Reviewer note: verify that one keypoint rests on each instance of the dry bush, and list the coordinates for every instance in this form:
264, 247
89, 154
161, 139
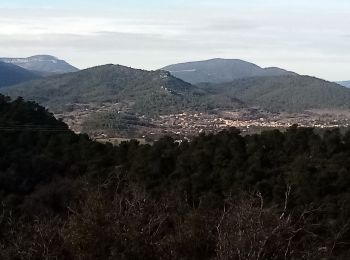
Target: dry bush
248, 230
132, 225
129, 226
112, 224
193, 237
38, 239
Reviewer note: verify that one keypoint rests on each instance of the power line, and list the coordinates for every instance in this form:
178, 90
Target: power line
32, 127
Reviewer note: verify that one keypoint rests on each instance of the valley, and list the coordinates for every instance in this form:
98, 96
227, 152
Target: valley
115, 101
86, 118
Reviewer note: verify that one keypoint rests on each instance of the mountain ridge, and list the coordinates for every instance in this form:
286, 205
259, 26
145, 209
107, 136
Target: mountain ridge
159, 92
344, 83
144, 91
11, 74
219, 70
289, 93
43, 65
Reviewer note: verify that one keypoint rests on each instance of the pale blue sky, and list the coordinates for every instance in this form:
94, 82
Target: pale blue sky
310, 37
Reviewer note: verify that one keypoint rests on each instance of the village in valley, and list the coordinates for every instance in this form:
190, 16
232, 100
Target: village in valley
188, 124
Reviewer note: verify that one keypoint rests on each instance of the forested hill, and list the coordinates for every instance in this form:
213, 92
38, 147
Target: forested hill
286, 93
144, 91
223, 196
21, 113
11, 74
158, 92
37, 150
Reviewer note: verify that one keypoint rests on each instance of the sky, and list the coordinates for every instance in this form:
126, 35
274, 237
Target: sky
309, 37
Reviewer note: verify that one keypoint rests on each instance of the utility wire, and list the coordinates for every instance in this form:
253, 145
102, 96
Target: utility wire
32, 127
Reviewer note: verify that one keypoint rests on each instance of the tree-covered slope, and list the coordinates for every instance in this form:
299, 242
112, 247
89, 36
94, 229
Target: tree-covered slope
286, 93
11, 74
158, 92
220, 71
144, 91
36, 149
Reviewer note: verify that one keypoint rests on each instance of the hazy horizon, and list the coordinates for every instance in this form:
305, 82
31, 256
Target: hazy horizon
306, 37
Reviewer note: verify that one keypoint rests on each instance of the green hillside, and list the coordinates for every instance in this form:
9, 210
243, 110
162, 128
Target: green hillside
285, 93
158, 92
143, 91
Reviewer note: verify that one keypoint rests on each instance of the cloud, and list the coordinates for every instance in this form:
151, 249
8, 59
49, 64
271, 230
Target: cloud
294, 38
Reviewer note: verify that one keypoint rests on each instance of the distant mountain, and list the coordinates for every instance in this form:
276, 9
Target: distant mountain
158, 92
221, 71
11, 74
344, 83
43, 65
143, 91
285, 93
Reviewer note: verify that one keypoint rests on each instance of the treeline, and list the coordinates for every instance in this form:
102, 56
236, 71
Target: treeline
274, 195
